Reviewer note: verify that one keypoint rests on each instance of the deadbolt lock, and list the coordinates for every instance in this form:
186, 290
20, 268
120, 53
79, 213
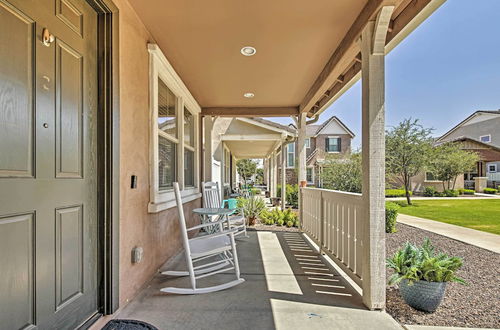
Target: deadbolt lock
47, 37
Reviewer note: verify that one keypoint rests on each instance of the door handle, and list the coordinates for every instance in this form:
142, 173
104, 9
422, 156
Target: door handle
47, 37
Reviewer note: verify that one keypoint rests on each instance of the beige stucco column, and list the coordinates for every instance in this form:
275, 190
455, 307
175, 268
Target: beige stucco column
301, 149
207, 154
275, 173
283, 175
373, 154
480, 183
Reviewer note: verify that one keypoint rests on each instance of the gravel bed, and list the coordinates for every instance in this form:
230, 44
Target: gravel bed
476, 305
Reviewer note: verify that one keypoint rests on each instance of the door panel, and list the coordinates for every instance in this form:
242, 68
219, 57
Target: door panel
16, 286
69, 255
69, 74
48, 170
16, 93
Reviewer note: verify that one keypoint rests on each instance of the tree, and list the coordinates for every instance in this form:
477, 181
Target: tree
407, 149
342, 173
259, 178
448, 161
246, 168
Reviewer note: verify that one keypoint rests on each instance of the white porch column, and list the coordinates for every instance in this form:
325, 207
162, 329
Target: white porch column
373, 154
283, 175
301, 149
274, 172
207, 154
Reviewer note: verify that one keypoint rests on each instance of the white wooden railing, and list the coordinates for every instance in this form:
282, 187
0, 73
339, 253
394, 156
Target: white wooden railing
336, 221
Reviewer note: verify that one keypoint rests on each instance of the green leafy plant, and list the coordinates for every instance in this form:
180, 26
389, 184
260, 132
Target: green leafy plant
391, 214
423, 263
468, 192
491, 191
251, 208
292, 194
289, 223
396, 193
430, 191
451, 193
277, 215
280, 222
342, 172
255, 191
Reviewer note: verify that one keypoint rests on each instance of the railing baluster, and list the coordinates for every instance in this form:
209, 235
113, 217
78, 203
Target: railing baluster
335, 221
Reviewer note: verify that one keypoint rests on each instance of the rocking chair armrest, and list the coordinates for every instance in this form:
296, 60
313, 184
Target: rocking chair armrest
206, 224
229, 232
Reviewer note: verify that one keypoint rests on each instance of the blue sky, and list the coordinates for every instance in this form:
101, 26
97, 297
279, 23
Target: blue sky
442, 72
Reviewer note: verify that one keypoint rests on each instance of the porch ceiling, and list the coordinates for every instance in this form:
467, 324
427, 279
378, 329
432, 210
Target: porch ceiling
251, 149
302, 47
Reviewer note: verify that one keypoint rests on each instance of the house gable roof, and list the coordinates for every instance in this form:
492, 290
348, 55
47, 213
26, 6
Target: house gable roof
268, 124
323, 126
467, 120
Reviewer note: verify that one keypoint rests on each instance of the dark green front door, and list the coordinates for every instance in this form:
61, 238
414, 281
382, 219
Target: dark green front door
48, 172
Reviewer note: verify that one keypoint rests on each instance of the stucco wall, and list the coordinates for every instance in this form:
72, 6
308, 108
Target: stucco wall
418, 183
156, 233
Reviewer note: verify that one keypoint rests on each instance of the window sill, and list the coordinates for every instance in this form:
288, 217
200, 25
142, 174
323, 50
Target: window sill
158, 207
333, 152
433, 181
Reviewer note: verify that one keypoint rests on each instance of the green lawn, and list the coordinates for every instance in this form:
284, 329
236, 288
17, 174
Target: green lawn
480, 214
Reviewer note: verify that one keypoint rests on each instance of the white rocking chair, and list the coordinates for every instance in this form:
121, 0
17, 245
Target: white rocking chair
212, 199
201, 251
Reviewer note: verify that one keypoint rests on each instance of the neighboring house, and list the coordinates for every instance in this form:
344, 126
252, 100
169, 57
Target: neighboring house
480, 133
331, 137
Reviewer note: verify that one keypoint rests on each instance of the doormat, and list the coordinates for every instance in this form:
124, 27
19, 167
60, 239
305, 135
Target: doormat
128, 325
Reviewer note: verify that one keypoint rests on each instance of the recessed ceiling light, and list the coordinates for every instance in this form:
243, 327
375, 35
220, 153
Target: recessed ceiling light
249, 95
248, 51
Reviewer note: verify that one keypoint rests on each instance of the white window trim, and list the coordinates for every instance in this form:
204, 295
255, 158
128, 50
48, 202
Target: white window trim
496, 169
159, 67
334, 137
425, 178
312, 176
308, 145
482, 136
288, 152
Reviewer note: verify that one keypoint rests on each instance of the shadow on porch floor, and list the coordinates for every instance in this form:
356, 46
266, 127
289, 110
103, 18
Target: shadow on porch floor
288, 286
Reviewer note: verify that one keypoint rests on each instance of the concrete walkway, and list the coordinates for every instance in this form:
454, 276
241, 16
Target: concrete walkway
287, 286
478, 238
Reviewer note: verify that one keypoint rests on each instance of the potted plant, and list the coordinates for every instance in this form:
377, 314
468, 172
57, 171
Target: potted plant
251, 208
422, 274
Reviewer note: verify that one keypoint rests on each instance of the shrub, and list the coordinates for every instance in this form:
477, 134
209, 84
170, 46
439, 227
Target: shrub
422, 263
430, 192
277, 215
255, 191
468, 192
292, 194
491, 191
391, 214
396, 193
451, 193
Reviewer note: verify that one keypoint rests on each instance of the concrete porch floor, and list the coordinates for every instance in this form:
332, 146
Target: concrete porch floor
288, 286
